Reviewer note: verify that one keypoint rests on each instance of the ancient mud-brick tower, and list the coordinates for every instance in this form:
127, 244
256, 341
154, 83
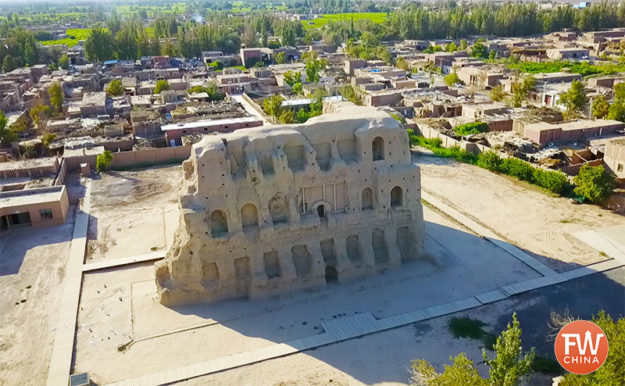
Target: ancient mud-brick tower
276, 208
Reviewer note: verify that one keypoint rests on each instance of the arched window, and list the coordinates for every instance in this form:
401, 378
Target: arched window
377, 148
219, 223
396, 197
367, 199
249, 216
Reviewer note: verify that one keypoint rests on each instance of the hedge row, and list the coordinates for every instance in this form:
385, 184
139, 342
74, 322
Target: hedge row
553, 181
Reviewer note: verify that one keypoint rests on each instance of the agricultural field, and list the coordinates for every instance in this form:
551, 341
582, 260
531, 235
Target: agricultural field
240, 7
376, 17
582, 68
151, 10
74, 35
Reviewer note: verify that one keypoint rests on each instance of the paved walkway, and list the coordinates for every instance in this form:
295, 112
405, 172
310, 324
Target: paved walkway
63, 346
362, 324
96, 265
487, 234
610, 241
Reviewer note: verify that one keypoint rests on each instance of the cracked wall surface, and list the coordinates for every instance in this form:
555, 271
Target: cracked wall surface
278, 208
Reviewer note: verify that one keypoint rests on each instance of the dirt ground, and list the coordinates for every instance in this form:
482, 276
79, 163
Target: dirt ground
32, 268
119, 305
133, 212
518, 212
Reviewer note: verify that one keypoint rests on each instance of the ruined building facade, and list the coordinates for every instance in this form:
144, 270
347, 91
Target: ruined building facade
277, 208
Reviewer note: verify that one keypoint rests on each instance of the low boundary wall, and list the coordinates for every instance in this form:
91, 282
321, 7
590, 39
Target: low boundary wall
131, 158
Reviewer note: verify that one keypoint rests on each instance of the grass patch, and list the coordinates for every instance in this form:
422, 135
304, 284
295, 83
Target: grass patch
546, 365
376, 17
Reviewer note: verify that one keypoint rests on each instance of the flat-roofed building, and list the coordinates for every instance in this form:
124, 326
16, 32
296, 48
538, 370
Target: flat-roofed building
570, 131
175, 132
614, 156
33, 207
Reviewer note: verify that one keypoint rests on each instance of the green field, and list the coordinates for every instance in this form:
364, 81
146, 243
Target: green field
582, 68
74, 35
376, 17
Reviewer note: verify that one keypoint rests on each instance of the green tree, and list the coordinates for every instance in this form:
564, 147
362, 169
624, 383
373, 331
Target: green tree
279, 58
316, 104
595, 183
287, 116
115, 88
402, 64
600, 107
7, 135
297, 88
47, 139
510, 364
302, 116
492, 55
210, 88
463, 45
104, 161
161, 85
64, 62
99, 45
479, 50
452, 79
9, 64
127, 43
349, 93
39, 114
617, 109
56, 96
574, 99
461, 372
292, 77
497, 94
313, 66
273, 105
384, 54
507, 368
451, 47
521, 88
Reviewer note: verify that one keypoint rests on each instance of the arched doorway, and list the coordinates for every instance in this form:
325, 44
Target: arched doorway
321, 211
396, 197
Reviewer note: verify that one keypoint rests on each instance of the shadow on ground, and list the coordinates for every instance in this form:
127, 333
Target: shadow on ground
404, 290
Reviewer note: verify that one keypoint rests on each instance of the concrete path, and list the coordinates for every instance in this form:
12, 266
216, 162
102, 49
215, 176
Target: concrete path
63, 346
610, 241
96, 265
487, 234
358, 325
